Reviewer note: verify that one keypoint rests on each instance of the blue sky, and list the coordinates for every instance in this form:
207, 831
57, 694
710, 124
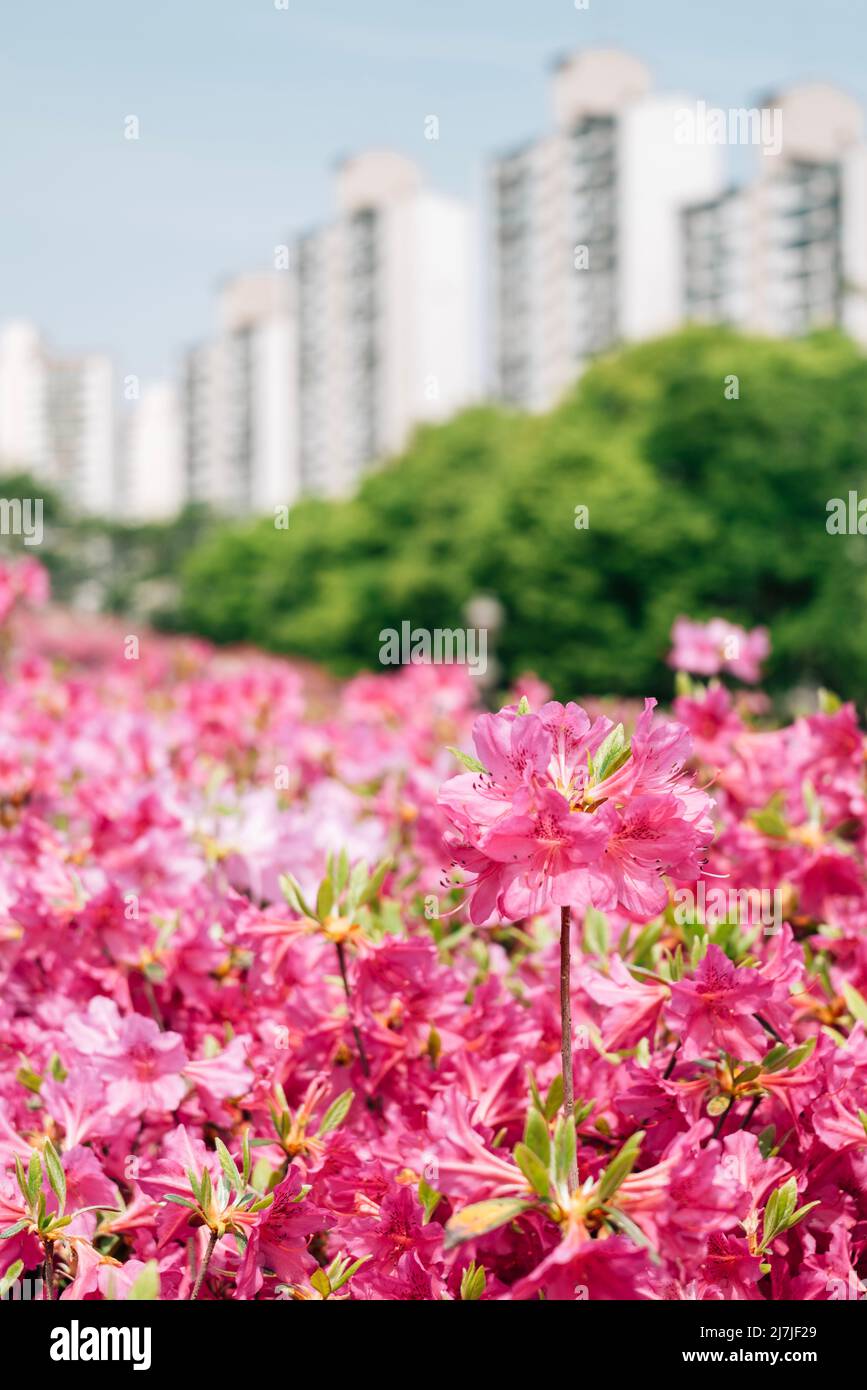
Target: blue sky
243, 109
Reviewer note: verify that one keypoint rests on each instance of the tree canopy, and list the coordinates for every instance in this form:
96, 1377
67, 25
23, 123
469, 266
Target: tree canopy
704, 497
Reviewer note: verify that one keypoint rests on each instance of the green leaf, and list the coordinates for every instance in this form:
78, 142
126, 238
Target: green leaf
534, 1170
180, 1201
429, 1198
321, 1283
718, 1105
779, 1209
473, 1281
341, 872
646, 939
261, 1175
676, 970
855, 1002
801, 1213
13, 1230
481, 1218
582, 1111
811, 802
56, 1175
357, 883
554, 1098
596, 936
767, 1141
620, 1167
324, 899
196, 1184
29, 1078
147, 1285
206, 1189
625, 1224
263, 1203
375, 882
229, 1167
611, 754
536, 1136
470, 763
34, 1178
800, 1054
337, 1281
336, 1112
524, 706
534, 1091
749, 1073
565, 1149
775, 1059
13, 1272
291, 891
22, 1180
771, 820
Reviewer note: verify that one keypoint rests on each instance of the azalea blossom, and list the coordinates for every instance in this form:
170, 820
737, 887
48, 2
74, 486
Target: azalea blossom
706, 649
247, 1065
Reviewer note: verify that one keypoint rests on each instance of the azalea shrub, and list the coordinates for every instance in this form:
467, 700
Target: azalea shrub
286, 973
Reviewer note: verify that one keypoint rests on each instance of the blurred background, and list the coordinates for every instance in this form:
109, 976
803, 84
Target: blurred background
315, 320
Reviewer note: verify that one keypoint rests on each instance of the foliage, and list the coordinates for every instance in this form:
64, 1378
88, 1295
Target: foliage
697, 504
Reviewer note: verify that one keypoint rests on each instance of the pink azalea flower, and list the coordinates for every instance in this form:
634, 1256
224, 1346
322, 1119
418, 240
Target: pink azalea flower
538, 828
279, 1238
141, 1064
717, 1009
145, 1073
223, 1075
153, 973
708, 648
581, 1269
632, 1006
729, 1270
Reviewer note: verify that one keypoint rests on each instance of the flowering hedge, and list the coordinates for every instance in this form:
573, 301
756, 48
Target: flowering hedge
280, 982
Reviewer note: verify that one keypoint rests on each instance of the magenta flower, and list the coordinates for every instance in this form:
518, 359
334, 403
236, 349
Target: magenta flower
242, 1095
565, 812
631, 1006
706, 649
544, 849
278, 1239
718, 1007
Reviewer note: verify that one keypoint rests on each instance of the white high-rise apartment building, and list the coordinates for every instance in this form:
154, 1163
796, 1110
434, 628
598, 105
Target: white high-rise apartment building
82, 430
203, 475
24, 437
386, 328
787, 252
585, 227
256, 371
322, 371
57, 419
152, 482
239, 400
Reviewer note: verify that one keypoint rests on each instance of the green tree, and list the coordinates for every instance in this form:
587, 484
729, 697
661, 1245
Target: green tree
698, 504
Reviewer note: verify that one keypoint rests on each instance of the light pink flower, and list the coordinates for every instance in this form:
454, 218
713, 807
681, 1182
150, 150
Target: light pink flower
705, 649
